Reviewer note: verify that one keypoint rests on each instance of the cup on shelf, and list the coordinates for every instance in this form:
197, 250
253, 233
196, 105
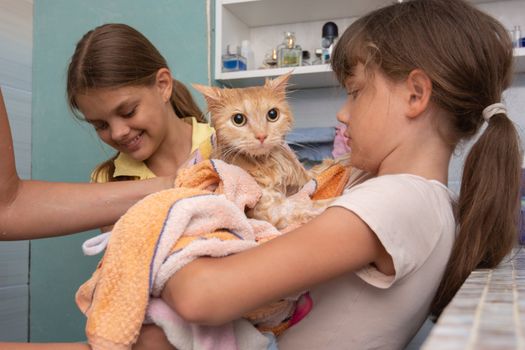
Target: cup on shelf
270, 59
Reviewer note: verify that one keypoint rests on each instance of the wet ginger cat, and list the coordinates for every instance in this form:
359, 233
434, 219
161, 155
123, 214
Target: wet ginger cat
251, 125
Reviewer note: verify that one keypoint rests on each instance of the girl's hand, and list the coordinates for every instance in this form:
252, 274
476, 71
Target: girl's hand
152, 337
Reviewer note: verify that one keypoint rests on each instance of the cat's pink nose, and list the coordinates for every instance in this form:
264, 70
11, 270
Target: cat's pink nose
261, 138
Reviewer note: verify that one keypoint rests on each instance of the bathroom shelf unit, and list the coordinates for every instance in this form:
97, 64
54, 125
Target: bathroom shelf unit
263, 22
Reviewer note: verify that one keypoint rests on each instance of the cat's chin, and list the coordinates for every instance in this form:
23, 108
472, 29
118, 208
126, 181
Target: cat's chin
259, 152
256, 154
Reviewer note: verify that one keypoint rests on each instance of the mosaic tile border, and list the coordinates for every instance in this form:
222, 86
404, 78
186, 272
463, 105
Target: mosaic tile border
488, 312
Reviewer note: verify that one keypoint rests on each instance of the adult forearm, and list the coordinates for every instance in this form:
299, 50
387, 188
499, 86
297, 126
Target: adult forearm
38, 209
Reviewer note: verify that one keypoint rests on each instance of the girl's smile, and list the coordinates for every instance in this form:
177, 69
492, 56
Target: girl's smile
132, 145
123, 118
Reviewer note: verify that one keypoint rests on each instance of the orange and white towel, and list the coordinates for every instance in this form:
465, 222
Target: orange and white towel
202, 216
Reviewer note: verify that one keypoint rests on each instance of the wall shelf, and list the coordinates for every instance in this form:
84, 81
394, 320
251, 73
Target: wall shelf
263, 21
312, 76
304, 77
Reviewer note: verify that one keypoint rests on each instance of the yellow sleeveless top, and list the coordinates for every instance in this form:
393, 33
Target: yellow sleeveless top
201, 147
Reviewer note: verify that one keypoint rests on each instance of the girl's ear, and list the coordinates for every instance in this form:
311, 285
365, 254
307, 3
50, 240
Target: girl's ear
419, 87
164, 82
278, 84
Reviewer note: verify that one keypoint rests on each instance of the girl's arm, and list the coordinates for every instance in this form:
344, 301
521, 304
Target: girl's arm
213, 291
36, 209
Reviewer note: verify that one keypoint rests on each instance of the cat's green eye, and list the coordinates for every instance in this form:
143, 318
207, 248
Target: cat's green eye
273, 115
239, 119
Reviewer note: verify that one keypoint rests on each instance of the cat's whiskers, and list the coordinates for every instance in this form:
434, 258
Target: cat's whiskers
239, 150
229, 153
236, 154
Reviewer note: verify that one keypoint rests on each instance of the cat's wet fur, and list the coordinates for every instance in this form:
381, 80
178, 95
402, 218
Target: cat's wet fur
251, 124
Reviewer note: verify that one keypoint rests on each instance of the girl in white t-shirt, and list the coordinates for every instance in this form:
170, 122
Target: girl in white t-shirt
419, 81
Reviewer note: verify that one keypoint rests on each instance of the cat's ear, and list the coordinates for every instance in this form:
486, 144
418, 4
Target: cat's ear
211, 94
280, 83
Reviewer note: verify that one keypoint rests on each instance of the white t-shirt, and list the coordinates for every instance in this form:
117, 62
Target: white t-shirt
413, 218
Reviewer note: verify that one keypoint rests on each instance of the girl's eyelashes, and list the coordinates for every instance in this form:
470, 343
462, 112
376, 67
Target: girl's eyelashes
99, 126
352, 89
131, 113
353, 93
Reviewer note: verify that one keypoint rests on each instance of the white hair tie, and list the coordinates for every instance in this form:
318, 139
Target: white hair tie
493, 109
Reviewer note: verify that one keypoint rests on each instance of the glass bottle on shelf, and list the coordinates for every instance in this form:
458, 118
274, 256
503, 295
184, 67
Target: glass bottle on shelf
289, 53
270, 59
232, 62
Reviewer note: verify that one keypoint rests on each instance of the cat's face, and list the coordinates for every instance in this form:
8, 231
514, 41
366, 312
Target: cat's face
253, 120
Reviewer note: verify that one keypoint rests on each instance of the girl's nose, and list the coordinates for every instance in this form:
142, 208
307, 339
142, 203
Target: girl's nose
119, 131
343, 114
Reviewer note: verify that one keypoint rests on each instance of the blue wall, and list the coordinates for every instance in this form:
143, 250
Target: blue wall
66, 150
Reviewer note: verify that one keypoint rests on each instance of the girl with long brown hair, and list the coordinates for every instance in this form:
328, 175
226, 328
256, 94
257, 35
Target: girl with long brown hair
120, 83
421, 76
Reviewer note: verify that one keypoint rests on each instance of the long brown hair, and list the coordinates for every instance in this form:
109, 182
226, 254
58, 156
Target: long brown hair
115, 55
468, 57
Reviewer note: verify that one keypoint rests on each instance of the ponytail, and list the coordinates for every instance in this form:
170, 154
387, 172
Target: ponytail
465, 78
183, 102
487, 209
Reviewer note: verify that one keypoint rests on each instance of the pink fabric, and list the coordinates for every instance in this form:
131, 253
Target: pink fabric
215, 337
340, 141
190, 336
302, 308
